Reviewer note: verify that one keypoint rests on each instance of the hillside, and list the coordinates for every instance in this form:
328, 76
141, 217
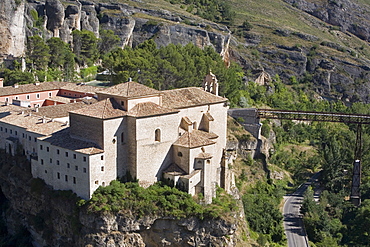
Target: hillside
319, 45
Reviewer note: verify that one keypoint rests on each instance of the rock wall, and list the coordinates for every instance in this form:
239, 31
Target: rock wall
12, 28
53, 219
60, 19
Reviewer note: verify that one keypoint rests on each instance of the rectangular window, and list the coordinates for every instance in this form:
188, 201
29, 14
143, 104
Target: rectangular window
102, 168
42, 161
58, 162
66, 178
84, 170
50, 95
57, 151
40, 147
74, 180
96, 182
51, 160
16, 97
68, 165
74, 156
16, 133
1, 128
23, 135
29, 138
58, 175
35, 139
102, 157
37, 95
6, 99
66, 154
27, 96
47, 149
11, 131
85, 159
76, 168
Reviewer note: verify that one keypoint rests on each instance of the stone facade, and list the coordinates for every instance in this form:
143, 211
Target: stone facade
132, 130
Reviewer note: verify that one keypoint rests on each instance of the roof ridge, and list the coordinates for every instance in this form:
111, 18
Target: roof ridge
105, 107
128, 87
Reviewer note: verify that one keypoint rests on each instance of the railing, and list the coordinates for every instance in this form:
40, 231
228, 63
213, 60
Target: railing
314, 116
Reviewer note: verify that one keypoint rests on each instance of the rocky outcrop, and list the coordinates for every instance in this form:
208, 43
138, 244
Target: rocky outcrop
12, 29
346, 14
60, 20
53, 219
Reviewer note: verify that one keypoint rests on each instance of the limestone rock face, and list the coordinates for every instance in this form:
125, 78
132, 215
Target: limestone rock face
54, 11
12, 29
346, 14
53, 219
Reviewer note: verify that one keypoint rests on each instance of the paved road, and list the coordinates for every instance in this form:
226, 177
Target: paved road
293, 223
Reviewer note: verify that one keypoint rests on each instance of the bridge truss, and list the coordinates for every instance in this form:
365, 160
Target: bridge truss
358, 119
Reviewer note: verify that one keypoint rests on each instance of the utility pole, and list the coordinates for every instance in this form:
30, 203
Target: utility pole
356, 175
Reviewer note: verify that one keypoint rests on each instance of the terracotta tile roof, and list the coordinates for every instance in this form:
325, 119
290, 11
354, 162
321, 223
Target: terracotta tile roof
56, 111
105, 109
32, 123
130, 90
60, 99
193, 139
209, 116
11, 108
186, 120
80, 88
147, 109
186, 97
189, 176
204, 156
175, 170
64, 140
205, 134
29, 88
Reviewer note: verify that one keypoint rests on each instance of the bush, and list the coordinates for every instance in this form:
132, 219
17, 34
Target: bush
156, 200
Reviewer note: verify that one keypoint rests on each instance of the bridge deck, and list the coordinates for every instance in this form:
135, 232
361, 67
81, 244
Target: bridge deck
314, 116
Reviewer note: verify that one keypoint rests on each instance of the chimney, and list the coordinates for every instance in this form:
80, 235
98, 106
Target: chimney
1, 82
36, 109
15, 85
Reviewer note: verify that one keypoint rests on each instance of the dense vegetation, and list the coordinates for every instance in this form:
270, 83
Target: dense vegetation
157, 200
213, 10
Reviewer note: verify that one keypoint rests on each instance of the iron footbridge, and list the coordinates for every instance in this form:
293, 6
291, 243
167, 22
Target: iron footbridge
313, 116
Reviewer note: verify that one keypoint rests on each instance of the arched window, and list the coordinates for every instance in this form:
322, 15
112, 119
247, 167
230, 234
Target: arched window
157, 135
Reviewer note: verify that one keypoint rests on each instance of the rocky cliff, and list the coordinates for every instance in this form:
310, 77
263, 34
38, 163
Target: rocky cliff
334, 62
132, 24
52, 218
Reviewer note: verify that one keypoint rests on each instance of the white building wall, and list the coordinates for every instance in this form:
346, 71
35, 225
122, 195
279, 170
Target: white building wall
98, 176
112, 130
154, 156
28, 140
65, 169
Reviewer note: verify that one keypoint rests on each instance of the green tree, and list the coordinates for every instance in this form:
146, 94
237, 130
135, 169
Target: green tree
85, 47
108, 41
37, 52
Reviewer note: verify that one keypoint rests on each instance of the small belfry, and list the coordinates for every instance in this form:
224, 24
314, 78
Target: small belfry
210, 83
